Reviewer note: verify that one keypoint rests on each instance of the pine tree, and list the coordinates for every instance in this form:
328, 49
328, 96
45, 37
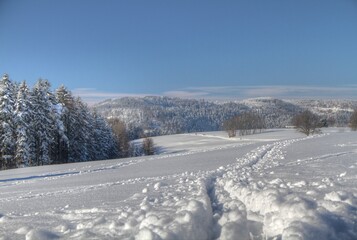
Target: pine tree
7, 127
60, 140
66, 103
100, 138
104, 144
85, 128
23, 119
44, 123
78, 132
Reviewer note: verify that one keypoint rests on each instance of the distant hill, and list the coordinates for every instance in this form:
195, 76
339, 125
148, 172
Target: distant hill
163, 115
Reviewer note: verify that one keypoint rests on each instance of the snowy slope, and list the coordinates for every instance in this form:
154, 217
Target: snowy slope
278, 184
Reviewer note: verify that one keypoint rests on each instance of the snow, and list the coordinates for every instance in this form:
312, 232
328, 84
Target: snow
275, 185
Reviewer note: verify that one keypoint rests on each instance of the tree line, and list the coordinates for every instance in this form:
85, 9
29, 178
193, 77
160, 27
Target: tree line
305, 122
40, 127
309, 123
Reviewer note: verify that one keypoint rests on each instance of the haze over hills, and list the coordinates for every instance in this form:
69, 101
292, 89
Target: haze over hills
163, 115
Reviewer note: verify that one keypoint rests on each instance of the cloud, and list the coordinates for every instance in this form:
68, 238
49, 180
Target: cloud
92, 96
280, 91
185, 94
304, 92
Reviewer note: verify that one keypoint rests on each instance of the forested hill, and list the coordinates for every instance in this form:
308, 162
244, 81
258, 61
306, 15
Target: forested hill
164, 115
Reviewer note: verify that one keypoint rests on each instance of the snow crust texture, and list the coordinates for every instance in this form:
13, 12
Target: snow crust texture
280, 185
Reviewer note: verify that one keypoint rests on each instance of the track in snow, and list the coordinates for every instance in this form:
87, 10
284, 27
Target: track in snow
246, 199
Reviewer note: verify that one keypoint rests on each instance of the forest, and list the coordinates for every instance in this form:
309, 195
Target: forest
40, 127
158, 115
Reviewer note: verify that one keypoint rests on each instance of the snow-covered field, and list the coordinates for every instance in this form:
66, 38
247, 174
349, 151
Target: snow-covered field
274, 185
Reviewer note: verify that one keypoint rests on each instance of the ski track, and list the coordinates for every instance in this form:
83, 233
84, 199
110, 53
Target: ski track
228, 203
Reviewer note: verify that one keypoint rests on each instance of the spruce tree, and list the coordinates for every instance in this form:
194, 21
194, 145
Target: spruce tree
66, 103
43, 122
7, 127
23, 119
85, 127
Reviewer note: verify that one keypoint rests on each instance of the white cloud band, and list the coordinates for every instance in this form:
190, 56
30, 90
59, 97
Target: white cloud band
92, 96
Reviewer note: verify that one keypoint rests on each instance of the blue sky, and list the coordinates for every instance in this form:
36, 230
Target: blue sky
203, 49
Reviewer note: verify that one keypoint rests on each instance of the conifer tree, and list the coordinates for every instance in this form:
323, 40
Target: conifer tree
66, 101
7, 127
23, 119
85, 128
43, 124
99, 139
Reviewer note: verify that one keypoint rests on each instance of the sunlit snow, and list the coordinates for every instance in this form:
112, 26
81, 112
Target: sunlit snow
275, 185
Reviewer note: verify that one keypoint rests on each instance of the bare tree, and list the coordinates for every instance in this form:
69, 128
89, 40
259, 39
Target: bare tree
230, 126
121, 135
307, 122
148, 146
353, 121
250, 123
246, 123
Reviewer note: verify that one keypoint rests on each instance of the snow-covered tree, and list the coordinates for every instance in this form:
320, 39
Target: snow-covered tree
104, 138
79, 130
7, 126
23, 119
89, 135
67, 117
43, 122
